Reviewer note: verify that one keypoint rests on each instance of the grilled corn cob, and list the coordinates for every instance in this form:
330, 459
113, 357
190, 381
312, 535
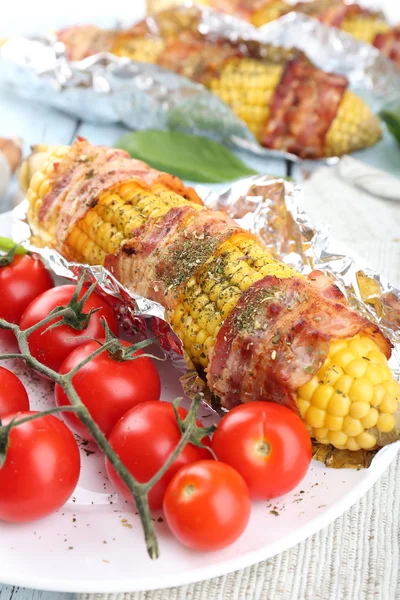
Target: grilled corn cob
247, 85
364, 28
350, 403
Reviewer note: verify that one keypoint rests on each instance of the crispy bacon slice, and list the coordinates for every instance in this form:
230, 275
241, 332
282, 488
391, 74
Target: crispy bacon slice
84, 173
303, 107
277, 338
197, 58
389, 44
159, 260
85, 40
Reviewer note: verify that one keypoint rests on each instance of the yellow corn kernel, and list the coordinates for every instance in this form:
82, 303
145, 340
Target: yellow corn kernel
321, 396
356, 368
303, 407
343, 358
321, 433
358, 410
388, 404
385, 422
333, 423
306, 391
370, 419
352, 426
352, 444
361, 390
315, 417
350, 395
337, 438
329, 374
339, 405
344, 383
366, 440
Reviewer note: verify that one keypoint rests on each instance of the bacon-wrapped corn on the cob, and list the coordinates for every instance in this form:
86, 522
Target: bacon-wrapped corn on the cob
363, 24
253, 326
286, 102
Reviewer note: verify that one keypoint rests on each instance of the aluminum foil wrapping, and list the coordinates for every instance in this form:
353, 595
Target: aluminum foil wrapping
107, 89
273, 210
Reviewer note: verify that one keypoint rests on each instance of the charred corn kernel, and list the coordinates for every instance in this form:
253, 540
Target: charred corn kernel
366, 440
351, 397
354, 127
370, 419
385, 422
364, 28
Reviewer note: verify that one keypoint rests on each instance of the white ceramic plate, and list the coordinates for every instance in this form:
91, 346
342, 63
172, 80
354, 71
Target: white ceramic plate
86, 546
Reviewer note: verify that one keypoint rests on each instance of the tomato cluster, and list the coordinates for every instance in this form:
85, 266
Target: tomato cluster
263, 450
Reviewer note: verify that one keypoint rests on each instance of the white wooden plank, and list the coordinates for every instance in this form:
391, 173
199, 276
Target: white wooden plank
33, 122
8, 592
106, 135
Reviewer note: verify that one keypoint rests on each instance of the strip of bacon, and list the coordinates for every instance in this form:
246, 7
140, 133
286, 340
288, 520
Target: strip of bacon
389, 44
85, 40
197, 58
162, 256
303, 107
277, 338
84, 173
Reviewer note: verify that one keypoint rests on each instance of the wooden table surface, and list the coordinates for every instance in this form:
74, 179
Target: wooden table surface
368, 225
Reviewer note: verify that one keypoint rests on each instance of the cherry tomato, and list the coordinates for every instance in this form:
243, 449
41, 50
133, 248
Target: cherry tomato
41, 469
267, 443
13, 396
207, 505
53, 347
107, 387
20, 282
144, 438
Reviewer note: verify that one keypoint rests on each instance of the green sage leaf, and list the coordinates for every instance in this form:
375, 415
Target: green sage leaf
190, 157
391, 116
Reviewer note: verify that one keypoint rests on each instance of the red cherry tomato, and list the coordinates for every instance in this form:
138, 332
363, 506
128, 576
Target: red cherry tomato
20, 282
13, 396
41, 469
143, 439
207, 505
53, 347
107, 387
267, 443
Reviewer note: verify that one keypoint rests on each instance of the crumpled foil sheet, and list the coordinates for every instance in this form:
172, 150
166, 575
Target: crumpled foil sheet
273, 210
107, 89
